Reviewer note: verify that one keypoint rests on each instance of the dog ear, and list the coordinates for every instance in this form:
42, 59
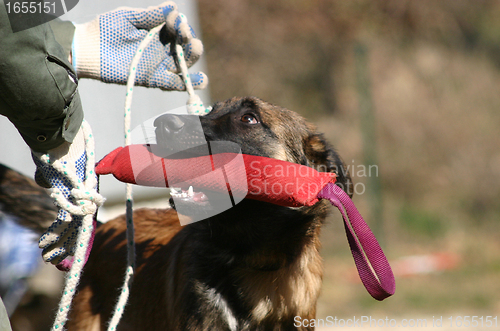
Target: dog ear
321, 156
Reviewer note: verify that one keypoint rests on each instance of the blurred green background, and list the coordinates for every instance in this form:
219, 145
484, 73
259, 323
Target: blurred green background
434, 85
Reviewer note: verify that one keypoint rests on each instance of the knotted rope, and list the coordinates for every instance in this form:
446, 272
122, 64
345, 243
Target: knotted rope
86, 201
194, 103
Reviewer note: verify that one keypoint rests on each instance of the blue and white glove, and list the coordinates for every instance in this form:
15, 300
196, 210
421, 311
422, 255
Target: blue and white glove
103, 48
54, 170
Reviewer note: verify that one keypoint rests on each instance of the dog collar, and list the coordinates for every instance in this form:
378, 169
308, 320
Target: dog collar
258, 179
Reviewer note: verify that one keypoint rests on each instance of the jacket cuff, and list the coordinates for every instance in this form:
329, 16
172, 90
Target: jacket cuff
46, 134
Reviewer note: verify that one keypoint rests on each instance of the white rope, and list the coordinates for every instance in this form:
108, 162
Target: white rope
87, 200
194, 103
129, 273
194, 106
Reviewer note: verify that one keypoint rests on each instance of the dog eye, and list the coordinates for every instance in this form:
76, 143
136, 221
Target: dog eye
249, 118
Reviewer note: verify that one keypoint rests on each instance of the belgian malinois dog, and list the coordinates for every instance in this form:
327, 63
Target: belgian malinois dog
255, 266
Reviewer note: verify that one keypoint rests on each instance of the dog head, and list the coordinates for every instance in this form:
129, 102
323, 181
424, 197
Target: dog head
257, 128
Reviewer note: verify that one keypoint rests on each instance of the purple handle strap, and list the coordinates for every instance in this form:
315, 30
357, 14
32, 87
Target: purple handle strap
373, 268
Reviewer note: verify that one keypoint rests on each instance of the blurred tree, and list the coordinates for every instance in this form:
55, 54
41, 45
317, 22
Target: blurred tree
292, 52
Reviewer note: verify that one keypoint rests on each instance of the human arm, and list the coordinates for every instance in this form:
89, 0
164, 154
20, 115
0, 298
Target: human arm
31, 119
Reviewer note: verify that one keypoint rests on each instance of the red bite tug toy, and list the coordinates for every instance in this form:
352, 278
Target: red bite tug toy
260, 178
247, 176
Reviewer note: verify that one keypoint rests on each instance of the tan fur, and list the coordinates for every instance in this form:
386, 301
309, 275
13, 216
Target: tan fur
292, 291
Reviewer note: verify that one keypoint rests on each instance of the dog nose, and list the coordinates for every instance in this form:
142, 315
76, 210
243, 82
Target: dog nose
169, 122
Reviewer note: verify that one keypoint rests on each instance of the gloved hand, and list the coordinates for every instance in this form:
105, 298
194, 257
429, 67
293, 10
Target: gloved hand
53, 170
103, 48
